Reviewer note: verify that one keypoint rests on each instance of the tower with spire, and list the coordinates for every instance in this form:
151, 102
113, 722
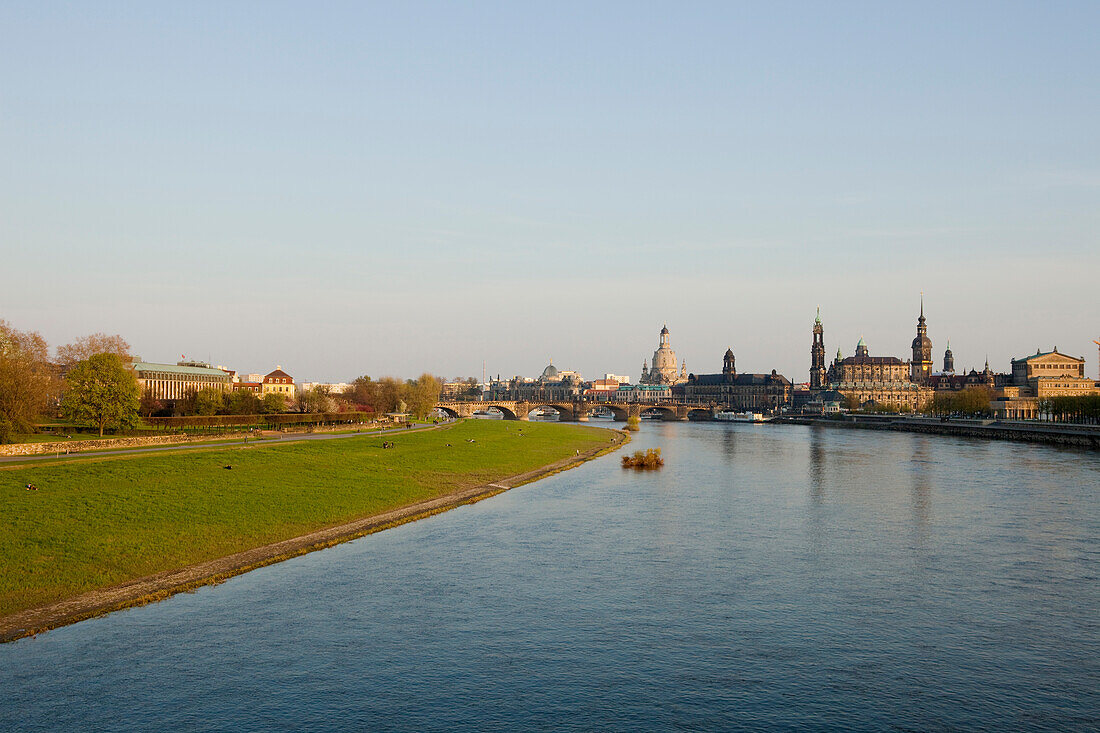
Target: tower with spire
817, 355
920, 368
948, 360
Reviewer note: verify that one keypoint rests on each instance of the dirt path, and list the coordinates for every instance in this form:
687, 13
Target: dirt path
162, 585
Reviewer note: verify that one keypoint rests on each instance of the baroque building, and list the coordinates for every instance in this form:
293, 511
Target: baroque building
664, 365
755, 392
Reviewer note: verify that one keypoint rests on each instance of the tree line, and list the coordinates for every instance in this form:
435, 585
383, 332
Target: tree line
90, 383
1080, 409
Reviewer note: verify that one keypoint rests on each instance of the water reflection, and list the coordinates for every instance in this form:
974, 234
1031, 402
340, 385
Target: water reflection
817, 464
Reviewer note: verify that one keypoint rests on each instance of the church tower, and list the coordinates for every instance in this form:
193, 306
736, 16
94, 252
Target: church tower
728, 368
817, 355
921, 367
948, 360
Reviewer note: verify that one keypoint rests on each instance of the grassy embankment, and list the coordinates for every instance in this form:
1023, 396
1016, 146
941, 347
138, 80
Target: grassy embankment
96, 523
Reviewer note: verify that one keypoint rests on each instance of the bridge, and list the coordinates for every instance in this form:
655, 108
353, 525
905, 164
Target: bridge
579, 410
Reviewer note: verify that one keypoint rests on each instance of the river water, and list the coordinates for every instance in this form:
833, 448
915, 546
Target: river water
769, 577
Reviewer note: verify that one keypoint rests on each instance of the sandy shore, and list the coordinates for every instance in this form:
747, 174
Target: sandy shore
162, 585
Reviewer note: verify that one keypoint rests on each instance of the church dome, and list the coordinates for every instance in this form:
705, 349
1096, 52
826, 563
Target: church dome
550, 372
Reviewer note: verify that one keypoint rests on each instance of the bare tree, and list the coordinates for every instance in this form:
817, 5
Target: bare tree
27, 383
87, 346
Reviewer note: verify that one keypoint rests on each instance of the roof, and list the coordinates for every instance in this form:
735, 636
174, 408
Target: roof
892, 360
150, 366
277, 374
739, 379
1038, 354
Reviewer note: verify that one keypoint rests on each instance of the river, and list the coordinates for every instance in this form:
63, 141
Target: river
768, 577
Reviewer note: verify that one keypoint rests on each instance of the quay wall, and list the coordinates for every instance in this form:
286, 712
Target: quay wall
1080, 436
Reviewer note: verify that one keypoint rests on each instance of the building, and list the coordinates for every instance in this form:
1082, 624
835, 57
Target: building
664, 369
278, 382
642, 393
920, 368
817, 355
602, 390
755, 392
880, 380
552, 385
1042, 376
178, 381
329, 387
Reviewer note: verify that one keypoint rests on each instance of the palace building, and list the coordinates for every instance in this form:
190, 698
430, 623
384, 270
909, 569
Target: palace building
750, 392
867, 379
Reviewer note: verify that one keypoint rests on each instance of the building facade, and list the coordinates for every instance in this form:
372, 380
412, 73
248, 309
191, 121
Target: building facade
1042, 376
754, 392
278, 382
178, 381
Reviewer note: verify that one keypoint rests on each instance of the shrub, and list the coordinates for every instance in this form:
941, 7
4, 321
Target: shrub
647, 460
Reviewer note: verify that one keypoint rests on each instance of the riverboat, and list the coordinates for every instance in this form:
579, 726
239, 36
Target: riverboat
753, 417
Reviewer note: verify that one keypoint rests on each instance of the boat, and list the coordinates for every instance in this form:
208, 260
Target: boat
729, 416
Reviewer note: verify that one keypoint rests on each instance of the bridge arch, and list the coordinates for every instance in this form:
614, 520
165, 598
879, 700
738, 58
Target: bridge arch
619, 412
448, 412
700, 413
509, 414
564, 412
666, 413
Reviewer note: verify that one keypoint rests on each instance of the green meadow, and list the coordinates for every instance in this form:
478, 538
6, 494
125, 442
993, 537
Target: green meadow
95, 523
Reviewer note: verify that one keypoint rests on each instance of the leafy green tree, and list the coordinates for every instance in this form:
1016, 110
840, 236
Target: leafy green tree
27, 385
243, 402
272, 404
102, 392
208, 401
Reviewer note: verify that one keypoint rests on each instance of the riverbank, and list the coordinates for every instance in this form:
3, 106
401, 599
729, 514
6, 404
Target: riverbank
104, 526
1049, 434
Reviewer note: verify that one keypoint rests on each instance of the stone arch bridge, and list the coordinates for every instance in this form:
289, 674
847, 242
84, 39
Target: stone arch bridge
578, 410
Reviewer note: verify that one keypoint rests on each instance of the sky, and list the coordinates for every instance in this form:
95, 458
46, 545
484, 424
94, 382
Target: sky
388, 189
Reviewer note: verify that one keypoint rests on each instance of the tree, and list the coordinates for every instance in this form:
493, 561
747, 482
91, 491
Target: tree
421, 394
363, 394
317, 399
103, 392
272, 403
27, 384
207, 401
243, 402
87, 346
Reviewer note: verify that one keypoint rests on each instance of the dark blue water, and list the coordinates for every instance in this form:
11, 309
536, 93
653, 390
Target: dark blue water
767, 578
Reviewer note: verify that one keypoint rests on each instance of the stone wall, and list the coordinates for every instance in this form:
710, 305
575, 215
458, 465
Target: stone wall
76, 446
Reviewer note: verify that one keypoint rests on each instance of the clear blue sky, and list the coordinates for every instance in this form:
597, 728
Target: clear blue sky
343, 188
